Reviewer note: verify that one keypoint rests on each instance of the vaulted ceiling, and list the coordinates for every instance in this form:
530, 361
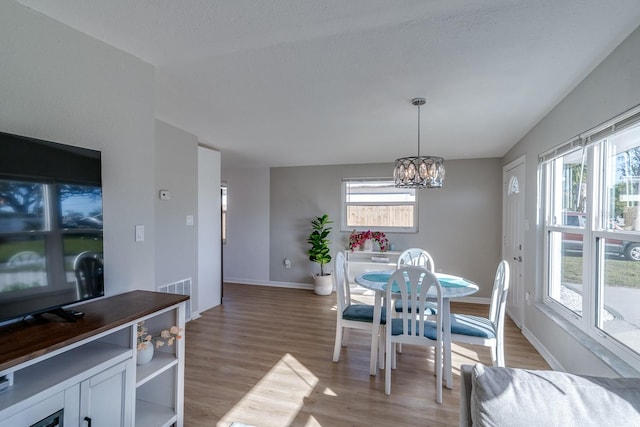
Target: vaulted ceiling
312, 82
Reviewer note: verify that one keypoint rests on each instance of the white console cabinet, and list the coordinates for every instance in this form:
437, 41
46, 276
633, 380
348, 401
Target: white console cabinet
359, 262
85, 373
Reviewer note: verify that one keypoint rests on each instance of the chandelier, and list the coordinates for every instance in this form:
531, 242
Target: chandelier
419, 171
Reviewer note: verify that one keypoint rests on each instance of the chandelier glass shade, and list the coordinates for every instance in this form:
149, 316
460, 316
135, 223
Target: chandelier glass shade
419, 171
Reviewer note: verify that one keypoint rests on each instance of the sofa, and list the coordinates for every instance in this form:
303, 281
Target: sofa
492, 396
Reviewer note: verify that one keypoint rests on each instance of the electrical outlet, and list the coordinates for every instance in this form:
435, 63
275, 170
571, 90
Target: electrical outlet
287, 263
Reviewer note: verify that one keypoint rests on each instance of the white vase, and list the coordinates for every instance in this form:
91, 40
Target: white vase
145, 354
367, 245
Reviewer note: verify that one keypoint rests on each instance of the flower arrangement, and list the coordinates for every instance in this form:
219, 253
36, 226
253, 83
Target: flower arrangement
358, 238
167, 336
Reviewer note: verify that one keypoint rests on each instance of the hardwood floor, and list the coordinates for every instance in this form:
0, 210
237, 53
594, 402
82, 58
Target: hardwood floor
263, 358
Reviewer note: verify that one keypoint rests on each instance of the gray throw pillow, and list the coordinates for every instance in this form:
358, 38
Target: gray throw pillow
517, 397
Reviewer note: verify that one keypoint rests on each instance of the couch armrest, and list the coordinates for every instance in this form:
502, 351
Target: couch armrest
465, 395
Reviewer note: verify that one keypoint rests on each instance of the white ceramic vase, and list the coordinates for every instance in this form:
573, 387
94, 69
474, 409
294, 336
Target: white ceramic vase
367, 245
145, 354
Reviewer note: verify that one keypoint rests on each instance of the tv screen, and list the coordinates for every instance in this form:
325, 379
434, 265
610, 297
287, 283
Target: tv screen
50, 226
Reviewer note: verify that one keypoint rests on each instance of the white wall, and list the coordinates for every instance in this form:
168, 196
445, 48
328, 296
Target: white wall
612, 88
247, 226
209, 234
176, 242
58, 84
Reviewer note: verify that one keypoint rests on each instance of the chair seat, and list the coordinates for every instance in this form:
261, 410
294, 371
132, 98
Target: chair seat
429, 308
430, 328
475, 326
362, 313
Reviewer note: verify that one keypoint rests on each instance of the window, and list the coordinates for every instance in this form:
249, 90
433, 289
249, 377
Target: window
591, 197
378, 204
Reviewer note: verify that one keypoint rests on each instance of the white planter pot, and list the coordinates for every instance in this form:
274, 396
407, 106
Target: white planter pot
145, 354
323, 285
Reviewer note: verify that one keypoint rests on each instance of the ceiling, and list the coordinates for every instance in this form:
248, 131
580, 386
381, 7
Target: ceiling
313, 82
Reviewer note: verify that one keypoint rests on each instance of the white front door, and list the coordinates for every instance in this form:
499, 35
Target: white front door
513, 235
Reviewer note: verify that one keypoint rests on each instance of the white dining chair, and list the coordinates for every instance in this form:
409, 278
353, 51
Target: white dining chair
484, 331
413, 284
354, 316
419, 258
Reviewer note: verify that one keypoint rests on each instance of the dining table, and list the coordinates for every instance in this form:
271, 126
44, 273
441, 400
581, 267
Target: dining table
452, 287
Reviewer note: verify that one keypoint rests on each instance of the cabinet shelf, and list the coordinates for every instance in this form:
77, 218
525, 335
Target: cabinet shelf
161, 362
153, 415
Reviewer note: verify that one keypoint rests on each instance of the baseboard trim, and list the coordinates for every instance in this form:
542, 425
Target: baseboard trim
291, 285
546, 355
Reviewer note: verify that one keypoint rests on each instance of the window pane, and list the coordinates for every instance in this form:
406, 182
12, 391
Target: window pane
618, 313
568, 186
22, 263
22, 206
378, 204
565, 270
380, 216
623, 180
378, 191
80, 206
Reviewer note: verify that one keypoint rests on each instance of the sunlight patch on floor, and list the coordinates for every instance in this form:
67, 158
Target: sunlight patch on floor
283, 390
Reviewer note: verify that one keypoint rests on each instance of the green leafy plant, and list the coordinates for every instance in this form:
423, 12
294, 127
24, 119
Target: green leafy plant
319, 242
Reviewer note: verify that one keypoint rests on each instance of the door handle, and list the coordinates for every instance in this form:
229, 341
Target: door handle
518, 258
88, 420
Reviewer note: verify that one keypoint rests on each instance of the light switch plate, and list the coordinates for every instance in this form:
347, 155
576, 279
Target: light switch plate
139, 233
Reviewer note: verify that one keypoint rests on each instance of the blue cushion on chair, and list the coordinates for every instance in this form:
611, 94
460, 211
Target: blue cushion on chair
430, 308
430, 329
362, 313
474, 326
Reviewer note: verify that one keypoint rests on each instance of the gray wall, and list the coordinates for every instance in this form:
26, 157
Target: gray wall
176, 242
61, 85
612, 88
460, 224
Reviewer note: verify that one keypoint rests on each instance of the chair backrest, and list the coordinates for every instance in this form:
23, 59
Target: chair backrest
414, 285
416, 257
499, 294
343, 292
89, 270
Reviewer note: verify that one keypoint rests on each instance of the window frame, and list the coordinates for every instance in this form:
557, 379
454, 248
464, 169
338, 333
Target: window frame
594, 233
387, 229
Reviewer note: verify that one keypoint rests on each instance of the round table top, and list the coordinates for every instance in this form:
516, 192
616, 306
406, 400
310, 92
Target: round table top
452, 286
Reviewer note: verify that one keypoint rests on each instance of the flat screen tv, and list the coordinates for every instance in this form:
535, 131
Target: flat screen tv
50, 227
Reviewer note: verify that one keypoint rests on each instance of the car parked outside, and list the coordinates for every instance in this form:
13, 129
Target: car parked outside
573, 242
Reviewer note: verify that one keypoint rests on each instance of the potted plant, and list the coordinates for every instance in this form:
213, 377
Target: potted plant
319, 252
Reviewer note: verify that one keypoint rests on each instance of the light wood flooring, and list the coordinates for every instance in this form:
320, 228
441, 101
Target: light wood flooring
263, 358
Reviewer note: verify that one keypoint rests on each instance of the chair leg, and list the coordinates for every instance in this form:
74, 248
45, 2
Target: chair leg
387, 367
381, 346
338, 344
494, 356
373, 365
438, 369
394, 356
500, 356
399, 347
345, 337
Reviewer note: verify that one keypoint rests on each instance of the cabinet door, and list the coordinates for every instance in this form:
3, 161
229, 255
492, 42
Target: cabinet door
105, 398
